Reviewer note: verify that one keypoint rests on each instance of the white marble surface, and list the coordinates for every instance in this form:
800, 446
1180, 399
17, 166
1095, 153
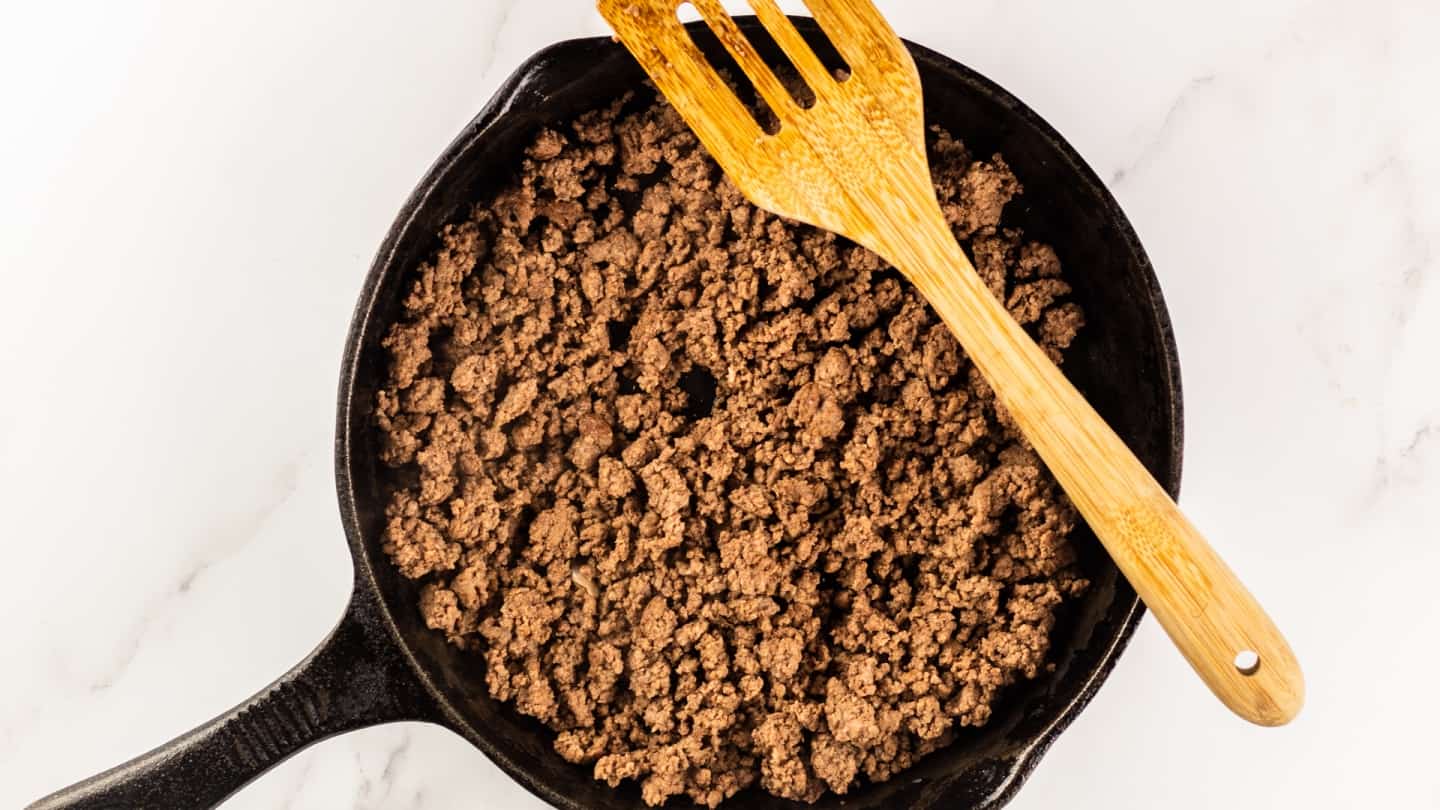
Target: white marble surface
190, 194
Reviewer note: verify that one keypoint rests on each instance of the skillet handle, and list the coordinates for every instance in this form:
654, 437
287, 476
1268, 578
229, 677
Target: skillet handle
355, 678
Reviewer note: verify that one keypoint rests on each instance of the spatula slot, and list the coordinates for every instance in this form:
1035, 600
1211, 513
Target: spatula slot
785, 70
729, 71
817, 59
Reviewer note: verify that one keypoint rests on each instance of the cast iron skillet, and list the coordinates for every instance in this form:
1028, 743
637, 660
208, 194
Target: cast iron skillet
380, 664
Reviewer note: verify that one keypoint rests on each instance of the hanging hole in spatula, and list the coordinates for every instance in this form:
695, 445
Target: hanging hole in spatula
1247, 662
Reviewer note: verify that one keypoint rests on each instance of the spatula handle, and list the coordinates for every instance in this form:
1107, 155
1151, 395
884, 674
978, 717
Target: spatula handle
1219, 627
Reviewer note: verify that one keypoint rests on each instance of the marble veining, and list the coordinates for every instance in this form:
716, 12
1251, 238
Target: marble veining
1158, 141
501, 10
228, 540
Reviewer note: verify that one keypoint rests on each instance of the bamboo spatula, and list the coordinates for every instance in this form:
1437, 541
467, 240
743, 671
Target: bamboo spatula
854, 163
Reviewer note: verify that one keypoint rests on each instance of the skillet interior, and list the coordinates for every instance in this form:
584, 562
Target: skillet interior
1124, 362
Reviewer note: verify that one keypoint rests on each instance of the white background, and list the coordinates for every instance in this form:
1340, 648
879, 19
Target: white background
190, 193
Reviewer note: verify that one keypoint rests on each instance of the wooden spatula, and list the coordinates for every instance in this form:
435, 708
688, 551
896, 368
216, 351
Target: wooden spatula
854, 163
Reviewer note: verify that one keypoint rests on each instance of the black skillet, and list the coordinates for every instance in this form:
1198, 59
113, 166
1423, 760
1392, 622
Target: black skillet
380, 664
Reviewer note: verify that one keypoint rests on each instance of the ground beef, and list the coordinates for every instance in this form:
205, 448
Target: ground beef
714, 495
